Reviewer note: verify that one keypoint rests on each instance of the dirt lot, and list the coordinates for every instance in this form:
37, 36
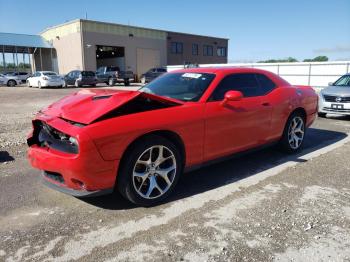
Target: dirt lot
260, 207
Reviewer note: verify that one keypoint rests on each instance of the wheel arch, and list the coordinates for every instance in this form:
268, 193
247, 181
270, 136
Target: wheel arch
172, 136
300, 110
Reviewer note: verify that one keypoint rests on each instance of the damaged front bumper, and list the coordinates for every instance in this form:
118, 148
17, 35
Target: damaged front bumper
80, 173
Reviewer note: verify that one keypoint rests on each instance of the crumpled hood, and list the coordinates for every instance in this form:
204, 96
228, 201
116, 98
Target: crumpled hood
88, 105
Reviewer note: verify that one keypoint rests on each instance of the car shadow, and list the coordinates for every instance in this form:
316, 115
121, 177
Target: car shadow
230, 171
337, 117
5, 157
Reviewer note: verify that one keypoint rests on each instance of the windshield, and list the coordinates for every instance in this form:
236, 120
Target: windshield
343, 81
49, 74
181, 86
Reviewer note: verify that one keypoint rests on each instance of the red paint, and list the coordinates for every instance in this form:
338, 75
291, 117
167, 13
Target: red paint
208, 129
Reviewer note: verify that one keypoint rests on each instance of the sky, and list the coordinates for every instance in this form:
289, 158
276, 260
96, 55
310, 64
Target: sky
257, 29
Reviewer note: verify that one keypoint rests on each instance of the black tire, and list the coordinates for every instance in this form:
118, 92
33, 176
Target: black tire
321, 114
39, 85
64, 84
126, 82
126, 180
285, 143
11, 83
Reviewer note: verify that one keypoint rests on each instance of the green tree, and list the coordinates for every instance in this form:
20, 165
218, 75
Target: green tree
285, 60
320, 58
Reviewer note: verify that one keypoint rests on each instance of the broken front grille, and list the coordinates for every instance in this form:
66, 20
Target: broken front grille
46, 136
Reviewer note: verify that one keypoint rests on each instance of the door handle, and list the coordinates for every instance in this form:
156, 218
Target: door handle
265, 104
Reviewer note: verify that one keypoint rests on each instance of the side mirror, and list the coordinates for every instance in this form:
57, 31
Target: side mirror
231, 96
330, 83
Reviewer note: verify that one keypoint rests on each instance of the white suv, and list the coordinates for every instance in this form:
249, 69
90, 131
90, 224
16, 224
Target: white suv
44, 79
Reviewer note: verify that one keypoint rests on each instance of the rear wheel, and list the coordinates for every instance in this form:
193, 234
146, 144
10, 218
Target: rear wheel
126, 82
293, 134
11, 83
150, 171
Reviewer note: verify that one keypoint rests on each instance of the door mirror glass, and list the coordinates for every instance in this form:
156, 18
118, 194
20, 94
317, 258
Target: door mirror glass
330, 83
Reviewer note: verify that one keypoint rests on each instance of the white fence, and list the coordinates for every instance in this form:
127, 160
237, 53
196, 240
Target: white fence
317, 74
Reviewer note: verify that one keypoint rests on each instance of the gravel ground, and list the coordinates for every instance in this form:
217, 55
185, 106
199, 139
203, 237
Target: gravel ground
263, 206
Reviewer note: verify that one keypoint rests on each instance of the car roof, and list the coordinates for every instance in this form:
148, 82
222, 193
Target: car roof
215, 70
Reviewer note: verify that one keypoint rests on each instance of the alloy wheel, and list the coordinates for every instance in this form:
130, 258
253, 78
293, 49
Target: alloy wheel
296, 132
154, 172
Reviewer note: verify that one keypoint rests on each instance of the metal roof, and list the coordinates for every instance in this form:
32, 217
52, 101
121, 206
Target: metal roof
10, 41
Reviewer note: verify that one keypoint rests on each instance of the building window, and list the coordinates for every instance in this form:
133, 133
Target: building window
221, 51
176, 48
208, 50
194, 49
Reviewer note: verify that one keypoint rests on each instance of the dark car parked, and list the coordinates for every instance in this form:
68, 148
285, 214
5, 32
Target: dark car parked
80, 78
152, 74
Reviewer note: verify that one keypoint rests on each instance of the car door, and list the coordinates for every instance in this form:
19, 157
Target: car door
99, 75
236, 125
74, 77
68, 78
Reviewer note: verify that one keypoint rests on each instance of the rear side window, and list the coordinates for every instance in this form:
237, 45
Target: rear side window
112, 68
266, 83
87, 73
249, 84
50, 74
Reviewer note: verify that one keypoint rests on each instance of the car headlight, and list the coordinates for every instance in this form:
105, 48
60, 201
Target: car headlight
320, 95
73, 141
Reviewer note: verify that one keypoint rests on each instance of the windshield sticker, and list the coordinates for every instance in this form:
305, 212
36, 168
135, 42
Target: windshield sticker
192, 75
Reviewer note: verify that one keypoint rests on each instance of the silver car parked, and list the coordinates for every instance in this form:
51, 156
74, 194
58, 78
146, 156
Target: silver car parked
335, 98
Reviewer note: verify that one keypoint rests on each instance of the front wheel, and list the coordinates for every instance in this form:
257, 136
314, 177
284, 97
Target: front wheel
150, 171
39, 85
320, 114
293, 134
126, 82
11, 83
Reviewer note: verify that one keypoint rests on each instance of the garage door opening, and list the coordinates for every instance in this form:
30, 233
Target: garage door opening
110, 56
147, 59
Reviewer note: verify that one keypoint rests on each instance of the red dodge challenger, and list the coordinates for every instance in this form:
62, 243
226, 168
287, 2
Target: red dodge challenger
140, 142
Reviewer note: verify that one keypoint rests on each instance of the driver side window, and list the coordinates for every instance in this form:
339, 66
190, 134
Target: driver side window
245, 83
